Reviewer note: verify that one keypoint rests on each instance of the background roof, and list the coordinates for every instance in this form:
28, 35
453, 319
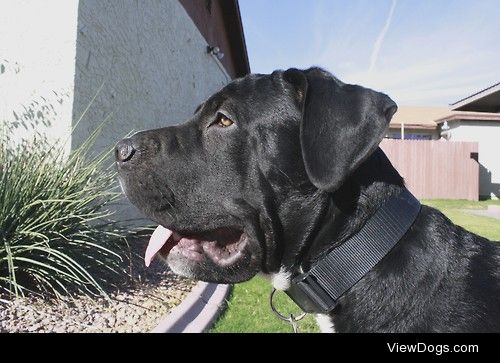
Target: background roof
486, 100
418, 116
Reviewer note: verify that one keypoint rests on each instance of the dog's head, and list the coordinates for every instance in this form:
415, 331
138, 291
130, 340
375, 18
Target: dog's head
238, 186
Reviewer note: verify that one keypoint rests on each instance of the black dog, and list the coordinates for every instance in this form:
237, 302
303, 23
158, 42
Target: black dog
251, 183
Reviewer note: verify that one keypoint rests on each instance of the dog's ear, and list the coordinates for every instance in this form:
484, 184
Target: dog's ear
341, 126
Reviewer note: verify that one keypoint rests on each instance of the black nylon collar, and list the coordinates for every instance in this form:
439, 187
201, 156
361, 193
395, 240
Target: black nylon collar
318, 290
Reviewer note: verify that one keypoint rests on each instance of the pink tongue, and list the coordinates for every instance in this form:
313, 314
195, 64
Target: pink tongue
158, 239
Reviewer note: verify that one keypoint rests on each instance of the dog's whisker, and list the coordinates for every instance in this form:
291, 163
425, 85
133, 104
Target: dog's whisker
286, 176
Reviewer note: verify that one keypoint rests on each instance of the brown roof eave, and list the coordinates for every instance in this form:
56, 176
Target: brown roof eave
469, 116
232, 17
476, 96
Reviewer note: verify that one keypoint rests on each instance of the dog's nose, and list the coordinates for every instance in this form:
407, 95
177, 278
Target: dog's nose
124, 150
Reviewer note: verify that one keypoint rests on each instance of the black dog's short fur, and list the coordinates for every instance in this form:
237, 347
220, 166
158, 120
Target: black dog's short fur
297, 173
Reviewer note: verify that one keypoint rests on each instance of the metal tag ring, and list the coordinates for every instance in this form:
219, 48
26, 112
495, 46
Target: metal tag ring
281, 316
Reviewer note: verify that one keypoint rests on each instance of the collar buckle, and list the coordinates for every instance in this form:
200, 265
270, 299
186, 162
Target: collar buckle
308, 294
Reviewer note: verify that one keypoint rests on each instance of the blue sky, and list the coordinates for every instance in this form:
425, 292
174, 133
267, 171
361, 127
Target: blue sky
420, 52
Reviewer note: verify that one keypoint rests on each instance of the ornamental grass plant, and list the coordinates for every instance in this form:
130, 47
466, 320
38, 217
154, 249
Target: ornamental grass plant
57, 236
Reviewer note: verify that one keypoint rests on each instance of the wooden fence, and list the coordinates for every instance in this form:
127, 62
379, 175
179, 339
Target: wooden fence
436, 169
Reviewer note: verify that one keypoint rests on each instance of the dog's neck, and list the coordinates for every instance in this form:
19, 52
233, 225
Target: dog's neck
344, 212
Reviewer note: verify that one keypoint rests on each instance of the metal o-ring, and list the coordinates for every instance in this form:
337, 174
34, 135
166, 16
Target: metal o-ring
281, 316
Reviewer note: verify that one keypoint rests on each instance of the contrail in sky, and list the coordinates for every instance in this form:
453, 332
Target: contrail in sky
381, 36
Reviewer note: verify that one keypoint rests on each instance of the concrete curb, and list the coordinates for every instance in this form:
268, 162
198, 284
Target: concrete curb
198, 311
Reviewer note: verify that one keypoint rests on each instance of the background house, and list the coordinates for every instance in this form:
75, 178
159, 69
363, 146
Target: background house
140, 65
477, 118
416, 123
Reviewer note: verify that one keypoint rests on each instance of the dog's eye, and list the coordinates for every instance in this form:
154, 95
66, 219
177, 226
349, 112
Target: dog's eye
222, 121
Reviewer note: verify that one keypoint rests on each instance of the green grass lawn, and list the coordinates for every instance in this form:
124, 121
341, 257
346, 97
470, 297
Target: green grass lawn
483, 226
248, 306
248, 311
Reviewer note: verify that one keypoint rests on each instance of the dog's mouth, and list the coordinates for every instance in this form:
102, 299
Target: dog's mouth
223, 246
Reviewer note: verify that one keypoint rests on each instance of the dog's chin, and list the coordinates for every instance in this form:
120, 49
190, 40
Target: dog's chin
235, 259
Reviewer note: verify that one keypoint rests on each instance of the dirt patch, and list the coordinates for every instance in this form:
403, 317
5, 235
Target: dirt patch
136, 304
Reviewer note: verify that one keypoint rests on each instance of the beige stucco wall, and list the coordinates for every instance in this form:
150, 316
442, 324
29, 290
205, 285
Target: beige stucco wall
151, 60
37, 65
147, 58
487, 134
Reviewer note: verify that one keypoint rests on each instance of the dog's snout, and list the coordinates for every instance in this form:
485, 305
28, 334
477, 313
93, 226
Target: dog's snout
138, 148
124, 150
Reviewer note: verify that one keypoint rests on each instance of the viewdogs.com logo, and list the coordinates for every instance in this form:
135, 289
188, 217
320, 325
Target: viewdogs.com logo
437, 349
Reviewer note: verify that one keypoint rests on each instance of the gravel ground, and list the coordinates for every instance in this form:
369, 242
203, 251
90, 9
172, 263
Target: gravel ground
136, 306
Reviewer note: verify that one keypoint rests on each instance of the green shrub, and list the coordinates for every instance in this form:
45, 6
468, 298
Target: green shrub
55, 233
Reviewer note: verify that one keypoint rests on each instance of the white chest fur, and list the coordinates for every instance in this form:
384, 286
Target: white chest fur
325, 323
